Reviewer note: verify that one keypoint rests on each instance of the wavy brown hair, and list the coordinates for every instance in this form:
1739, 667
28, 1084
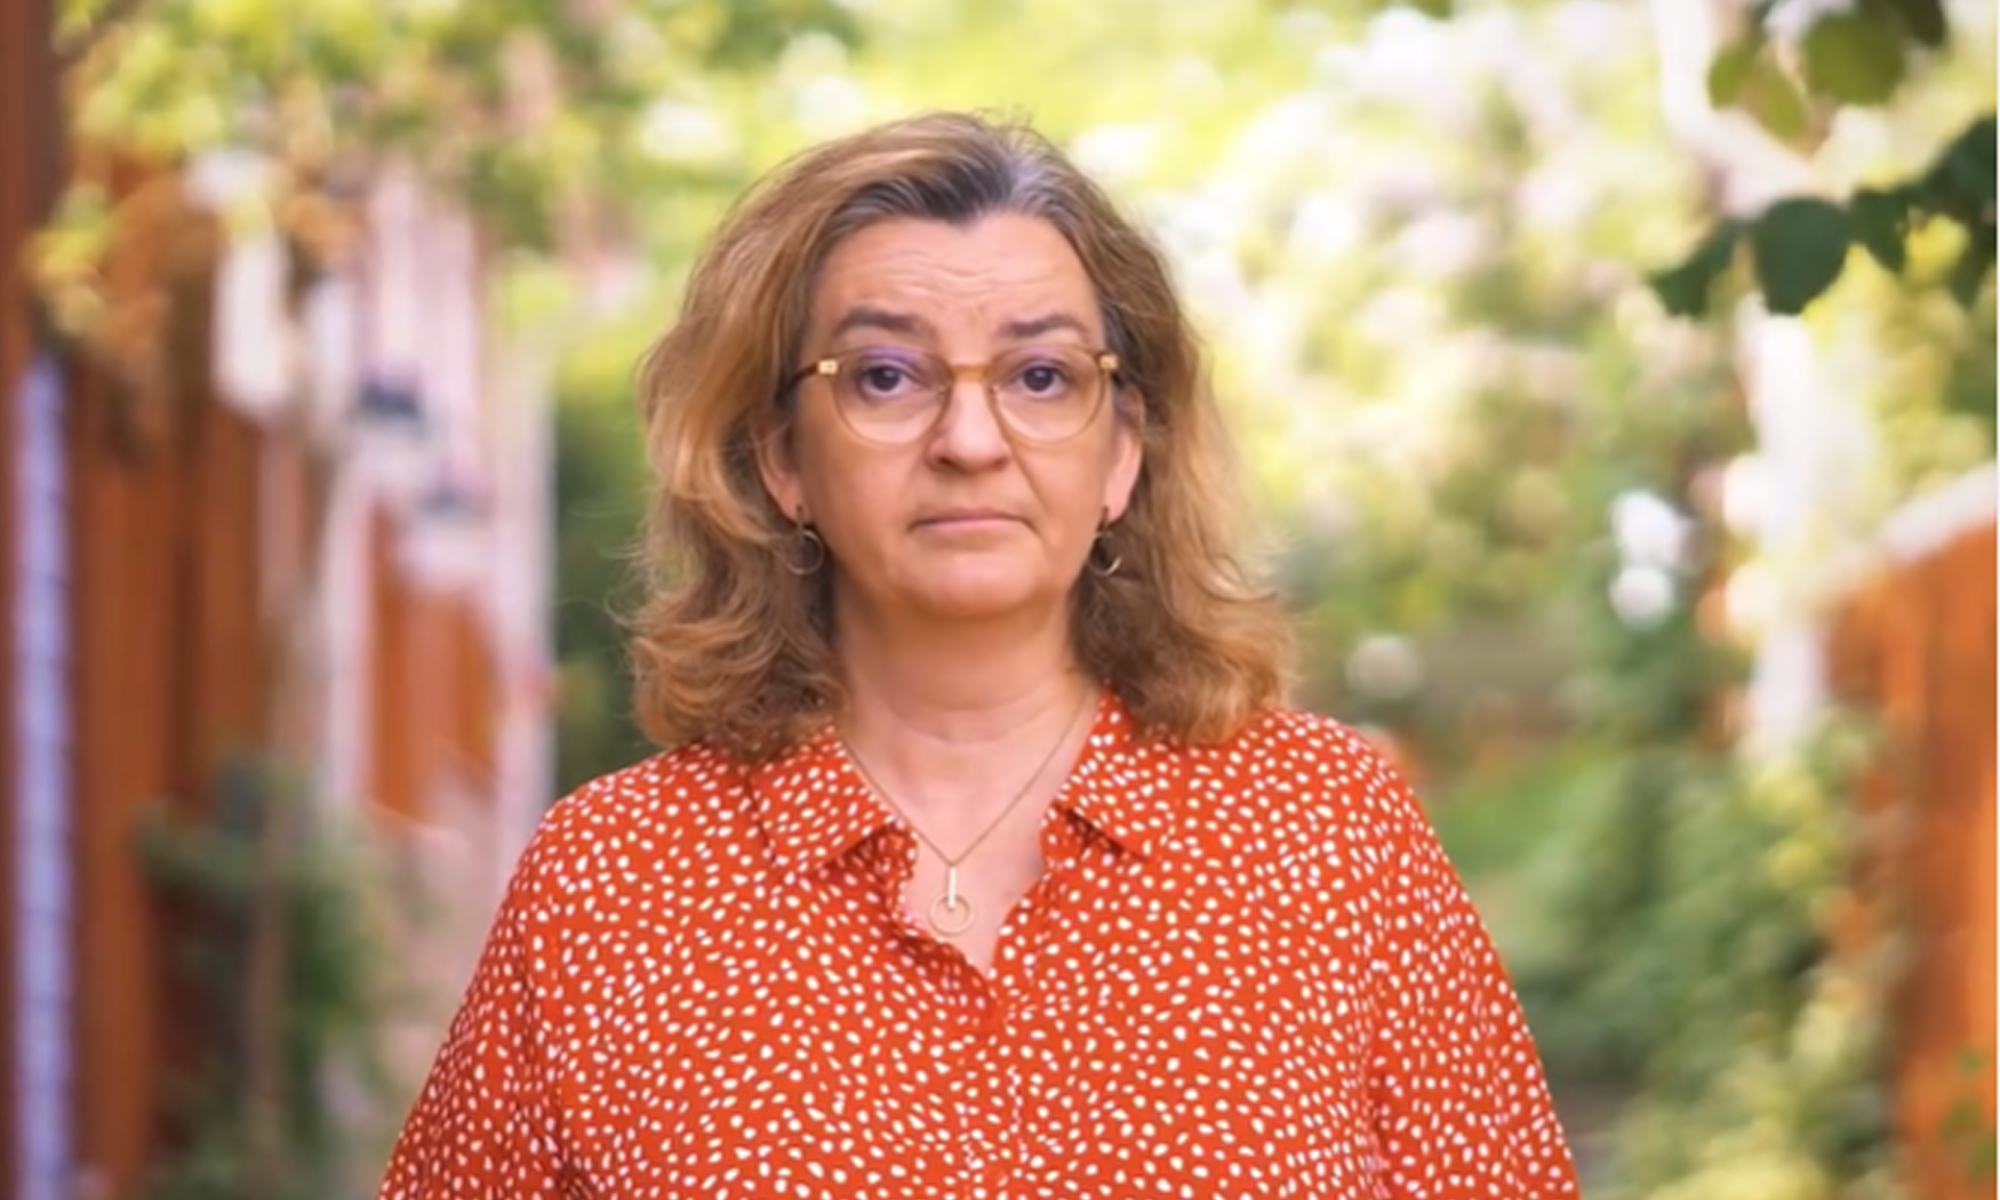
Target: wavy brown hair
733, 648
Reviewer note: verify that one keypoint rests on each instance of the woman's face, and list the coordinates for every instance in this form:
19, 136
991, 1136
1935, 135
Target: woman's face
966, 521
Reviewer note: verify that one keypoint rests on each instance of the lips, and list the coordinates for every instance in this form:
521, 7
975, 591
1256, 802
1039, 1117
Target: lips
965, 516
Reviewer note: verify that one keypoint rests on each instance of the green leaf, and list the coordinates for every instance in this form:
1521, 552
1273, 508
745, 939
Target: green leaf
1854, 58
1746, 76
1961, 182
1435, 9
1798, 247
1684, 290
1881, 221
1728, 71
1770, 96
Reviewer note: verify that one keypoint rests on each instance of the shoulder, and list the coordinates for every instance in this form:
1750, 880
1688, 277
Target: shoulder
635, 823
1303, 779
1309, 745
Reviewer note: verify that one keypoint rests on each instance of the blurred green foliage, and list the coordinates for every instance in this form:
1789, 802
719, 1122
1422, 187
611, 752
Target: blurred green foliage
518, 106
601, 490
325, 895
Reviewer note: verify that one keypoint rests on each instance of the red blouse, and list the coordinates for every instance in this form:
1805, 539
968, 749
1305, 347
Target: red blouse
1248, 970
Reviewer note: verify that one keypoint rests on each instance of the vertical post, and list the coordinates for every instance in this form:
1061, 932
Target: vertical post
35, 1134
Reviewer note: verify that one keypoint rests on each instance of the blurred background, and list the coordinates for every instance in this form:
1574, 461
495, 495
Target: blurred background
1616, 380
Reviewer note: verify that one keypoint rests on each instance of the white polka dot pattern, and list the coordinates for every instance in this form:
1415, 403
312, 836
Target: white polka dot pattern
1248, 970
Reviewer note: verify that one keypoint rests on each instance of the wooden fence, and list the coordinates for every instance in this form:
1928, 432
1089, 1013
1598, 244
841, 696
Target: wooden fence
1916, 645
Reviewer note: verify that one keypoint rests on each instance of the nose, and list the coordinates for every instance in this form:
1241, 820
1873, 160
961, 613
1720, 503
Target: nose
968, 434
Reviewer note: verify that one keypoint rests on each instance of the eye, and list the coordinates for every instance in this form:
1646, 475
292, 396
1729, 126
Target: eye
879, 376
1041, 377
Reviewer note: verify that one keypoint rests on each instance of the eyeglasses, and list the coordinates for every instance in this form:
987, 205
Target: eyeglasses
893, 395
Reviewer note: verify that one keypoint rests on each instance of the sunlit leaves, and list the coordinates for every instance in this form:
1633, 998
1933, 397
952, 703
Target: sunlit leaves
1858, 55
526, 112
345, 82
1799, 245
65, 255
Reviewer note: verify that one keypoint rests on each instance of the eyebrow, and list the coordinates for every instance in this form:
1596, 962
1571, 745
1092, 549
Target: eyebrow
1037, 326
864, 317
867, 317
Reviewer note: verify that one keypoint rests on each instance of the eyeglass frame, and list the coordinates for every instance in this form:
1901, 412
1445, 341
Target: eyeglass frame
827, 366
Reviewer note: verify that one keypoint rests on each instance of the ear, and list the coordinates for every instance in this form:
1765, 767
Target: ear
778, 468
1128, 454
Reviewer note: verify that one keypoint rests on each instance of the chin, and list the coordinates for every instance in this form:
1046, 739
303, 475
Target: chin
977, 598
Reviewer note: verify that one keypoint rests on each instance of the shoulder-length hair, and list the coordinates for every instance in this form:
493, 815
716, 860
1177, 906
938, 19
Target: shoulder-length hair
732, 648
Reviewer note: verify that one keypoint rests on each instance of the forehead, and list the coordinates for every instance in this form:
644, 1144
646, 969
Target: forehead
976, 277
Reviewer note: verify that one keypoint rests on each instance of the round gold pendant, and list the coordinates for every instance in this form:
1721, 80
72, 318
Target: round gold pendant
950, 915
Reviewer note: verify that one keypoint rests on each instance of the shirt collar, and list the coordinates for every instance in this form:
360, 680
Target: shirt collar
1126, 785
815, 807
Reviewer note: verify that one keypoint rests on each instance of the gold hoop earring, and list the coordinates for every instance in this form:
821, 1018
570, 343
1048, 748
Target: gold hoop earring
1104, 559
808, 549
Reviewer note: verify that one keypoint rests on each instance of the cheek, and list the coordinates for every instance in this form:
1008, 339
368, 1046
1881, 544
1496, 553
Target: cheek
821, 459
850, 498
1101, 467
855, 499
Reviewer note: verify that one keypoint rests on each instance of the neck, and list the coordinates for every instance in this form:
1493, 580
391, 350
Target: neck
943, 715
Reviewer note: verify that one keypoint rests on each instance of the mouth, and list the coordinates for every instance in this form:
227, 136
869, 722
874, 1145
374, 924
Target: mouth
966, 518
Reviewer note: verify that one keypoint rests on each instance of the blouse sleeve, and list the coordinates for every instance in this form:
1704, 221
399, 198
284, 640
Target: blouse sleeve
483, 1126
1461, 1106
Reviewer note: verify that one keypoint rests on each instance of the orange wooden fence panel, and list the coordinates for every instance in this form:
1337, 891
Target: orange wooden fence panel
1917, 646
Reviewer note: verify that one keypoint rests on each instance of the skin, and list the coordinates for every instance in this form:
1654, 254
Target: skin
953, 558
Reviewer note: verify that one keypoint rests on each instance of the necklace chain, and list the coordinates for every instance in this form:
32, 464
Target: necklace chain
951, 914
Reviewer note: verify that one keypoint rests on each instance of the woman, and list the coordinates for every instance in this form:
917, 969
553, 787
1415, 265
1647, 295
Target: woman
984, 860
